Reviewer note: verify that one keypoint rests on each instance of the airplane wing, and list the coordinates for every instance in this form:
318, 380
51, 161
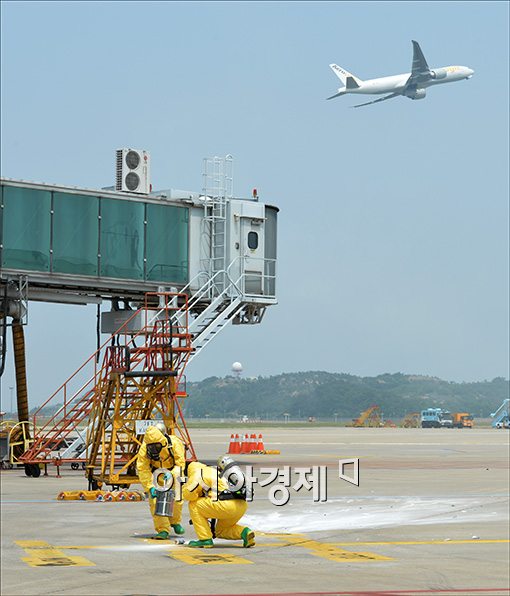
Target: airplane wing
337, 94
420, 71
390, 96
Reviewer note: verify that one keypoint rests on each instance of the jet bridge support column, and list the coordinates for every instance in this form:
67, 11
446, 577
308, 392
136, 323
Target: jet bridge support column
14, 306
18, 337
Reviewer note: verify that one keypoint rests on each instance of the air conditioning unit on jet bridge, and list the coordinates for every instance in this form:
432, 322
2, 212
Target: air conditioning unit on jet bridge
133, 171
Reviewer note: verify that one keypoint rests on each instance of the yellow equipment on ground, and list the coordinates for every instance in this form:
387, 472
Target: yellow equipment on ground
411, 420
370, 417
101, 495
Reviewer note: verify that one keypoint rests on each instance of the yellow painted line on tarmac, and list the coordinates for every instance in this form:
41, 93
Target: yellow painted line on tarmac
411, 542
207, 558
333, 553
42, 554
329, 551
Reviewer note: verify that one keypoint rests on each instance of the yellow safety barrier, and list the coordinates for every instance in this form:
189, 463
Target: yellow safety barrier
72, 495
101, 495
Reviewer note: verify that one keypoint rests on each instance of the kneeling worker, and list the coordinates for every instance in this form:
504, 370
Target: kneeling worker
160, 450
224, 508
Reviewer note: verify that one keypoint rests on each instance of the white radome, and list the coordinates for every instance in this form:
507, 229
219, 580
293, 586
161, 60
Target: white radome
237, 367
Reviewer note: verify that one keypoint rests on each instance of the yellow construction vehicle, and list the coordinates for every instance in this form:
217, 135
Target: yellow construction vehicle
370, 417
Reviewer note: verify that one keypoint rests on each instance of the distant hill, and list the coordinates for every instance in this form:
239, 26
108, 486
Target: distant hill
323, 394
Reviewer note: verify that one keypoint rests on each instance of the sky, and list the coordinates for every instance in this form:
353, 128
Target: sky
393, 247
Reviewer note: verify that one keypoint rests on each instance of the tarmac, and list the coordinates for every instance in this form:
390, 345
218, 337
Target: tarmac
430, 516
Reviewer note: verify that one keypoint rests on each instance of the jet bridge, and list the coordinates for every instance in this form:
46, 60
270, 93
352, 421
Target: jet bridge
65, 244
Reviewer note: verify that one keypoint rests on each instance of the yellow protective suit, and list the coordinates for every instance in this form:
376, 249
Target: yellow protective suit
145, 467
202, 507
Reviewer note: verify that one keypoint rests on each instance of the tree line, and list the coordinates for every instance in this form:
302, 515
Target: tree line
330, 395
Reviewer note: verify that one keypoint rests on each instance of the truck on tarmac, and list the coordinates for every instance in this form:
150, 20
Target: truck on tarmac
436, 418
462, 420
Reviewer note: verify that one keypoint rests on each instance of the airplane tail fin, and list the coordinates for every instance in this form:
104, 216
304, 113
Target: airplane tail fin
348, 79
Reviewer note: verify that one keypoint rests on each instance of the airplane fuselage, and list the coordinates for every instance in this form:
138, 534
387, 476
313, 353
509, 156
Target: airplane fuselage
397, 83
412, 85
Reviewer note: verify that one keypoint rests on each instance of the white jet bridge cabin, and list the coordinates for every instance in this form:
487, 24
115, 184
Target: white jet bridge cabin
176, 266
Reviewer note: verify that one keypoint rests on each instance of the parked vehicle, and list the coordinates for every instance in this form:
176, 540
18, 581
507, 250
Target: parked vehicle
462, 420
436, 418
446, 420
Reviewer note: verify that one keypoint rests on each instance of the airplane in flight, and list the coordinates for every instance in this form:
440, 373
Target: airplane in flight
411, 84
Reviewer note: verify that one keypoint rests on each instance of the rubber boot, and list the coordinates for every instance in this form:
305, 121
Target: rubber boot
161, 536
178, 529
248, 537
201, 543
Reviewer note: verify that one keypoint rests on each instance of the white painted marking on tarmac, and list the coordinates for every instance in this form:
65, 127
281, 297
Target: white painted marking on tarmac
339, 514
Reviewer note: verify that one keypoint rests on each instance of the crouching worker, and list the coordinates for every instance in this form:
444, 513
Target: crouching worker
210, 497
157, 451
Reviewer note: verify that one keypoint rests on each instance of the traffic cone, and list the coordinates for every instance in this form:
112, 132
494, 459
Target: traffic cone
253, 442
237, 444
260, 444
245, 445
232, 445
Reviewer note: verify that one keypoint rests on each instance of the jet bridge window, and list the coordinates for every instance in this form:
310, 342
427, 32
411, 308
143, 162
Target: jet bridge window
253, 240
75, 234
25, 234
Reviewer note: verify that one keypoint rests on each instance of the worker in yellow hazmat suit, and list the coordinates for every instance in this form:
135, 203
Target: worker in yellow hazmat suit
209, 498
159, 450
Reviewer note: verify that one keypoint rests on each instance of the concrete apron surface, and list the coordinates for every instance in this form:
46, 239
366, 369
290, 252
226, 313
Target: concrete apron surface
430, 516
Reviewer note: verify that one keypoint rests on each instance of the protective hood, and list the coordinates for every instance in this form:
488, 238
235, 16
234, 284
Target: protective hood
195, 466
154, 435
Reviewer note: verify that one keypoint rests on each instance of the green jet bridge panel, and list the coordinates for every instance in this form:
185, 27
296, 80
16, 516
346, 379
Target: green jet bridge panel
70, 242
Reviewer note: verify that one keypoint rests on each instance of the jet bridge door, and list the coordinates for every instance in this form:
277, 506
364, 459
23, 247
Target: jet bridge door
252, 239
248, 236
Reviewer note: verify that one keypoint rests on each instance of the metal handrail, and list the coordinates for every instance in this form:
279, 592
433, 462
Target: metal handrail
122, 329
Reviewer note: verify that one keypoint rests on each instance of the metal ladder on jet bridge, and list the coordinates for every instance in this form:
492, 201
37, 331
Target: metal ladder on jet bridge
218, 186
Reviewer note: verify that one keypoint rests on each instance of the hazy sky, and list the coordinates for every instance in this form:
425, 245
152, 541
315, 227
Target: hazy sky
393, 229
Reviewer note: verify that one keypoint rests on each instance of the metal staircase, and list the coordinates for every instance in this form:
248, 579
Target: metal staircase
501, 415
198, 319
134, 382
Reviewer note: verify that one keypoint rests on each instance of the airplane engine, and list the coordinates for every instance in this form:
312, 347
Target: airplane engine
439, 73
416, 93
